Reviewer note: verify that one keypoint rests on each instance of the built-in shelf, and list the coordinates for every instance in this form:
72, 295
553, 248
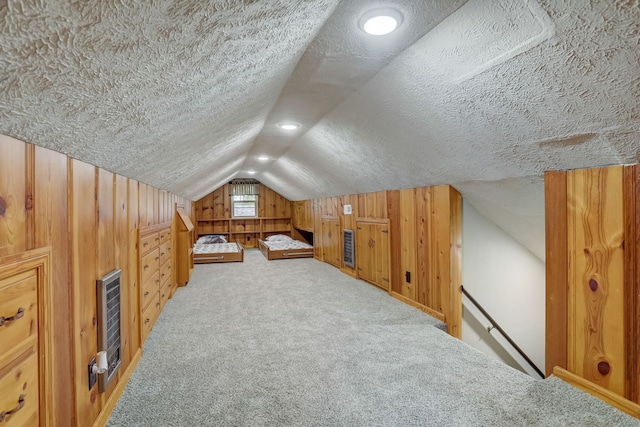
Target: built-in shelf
245, 230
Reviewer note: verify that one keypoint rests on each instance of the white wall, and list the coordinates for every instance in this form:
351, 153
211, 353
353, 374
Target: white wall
509, 282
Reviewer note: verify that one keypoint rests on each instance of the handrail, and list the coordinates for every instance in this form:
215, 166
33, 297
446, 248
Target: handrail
495, 325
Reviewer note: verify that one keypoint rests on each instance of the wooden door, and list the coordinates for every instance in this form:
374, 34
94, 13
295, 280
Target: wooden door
331, 241
372, 252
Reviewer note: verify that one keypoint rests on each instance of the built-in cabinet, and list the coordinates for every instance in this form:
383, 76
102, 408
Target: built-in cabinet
331, 241
184, 259
303, 215
372, 249
155, 274
245, 230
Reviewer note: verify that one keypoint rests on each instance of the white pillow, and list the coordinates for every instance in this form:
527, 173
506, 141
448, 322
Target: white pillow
211, 238
279, 238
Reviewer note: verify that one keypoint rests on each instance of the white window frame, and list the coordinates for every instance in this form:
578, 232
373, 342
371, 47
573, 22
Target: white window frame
244, 199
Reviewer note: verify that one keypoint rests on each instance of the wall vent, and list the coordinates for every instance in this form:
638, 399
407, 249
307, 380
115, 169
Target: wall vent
348, 253
109, 337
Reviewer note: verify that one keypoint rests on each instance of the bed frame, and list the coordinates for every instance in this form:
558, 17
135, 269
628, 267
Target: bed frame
272, 254
220, 257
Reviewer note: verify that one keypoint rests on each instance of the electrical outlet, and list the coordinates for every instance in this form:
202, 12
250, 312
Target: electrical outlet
93, 378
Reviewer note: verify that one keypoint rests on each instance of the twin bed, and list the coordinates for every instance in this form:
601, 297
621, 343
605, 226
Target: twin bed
282, 247
215, 248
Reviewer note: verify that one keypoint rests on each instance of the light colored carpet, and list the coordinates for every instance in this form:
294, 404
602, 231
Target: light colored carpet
297, 343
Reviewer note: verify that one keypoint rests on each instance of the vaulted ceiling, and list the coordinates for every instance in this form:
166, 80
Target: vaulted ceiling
484, 95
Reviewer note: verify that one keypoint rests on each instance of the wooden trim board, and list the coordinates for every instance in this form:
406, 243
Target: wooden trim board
601, 393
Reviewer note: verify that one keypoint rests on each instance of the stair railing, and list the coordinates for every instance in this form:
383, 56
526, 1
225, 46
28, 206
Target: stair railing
496, 326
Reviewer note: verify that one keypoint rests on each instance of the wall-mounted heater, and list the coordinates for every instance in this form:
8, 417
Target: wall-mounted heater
109, 336
348, 250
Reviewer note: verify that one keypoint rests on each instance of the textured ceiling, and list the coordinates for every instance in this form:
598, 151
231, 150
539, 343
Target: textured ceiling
484, 95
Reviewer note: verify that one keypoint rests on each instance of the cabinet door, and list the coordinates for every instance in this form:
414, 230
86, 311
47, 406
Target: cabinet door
372, 253
331, 241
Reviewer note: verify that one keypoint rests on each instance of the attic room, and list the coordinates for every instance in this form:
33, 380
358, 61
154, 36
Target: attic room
460, 183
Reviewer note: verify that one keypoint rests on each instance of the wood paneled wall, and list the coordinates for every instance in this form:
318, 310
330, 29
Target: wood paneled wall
593, 289
217, 204
90, 219
425, 231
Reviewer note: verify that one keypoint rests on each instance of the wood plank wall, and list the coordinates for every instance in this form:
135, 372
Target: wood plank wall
90, 218
217, 204
425, 231
593, 287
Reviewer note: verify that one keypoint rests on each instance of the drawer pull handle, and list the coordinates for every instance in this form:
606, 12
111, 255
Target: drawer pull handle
14, 410
146, 293
145, 244
146, 266
147, 320
16, 316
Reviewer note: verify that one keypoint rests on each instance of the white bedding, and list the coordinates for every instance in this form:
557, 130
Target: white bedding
293, 244
215, 248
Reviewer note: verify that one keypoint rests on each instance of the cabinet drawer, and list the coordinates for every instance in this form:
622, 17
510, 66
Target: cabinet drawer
149, 242
18, 312
165, 273
20, 394
149, 265
165, 252
165, 236
165, 293
149, 291
149, 316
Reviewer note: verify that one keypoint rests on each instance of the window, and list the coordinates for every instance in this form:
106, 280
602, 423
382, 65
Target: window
245, 205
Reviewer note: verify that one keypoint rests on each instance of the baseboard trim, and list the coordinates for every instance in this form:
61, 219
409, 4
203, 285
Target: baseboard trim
107, 409
431, 312
600, 392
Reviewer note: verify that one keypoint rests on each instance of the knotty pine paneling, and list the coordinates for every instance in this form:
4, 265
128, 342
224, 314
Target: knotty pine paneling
373, 205
132, 274
13, 196
84, 241
393, 213
152, 206
632, 279
596, 321
408, 244
122, 243
106, 260
142, 205
51, 229
555, 183
453, 315
426, 294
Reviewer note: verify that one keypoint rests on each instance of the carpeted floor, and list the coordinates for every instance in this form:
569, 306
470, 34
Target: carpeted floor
297, 343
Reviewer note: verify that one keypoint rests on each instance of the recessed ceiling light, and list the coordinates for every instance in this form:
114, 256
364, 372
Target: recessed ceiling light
288, 125
251, 172
263, 158
378, 22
